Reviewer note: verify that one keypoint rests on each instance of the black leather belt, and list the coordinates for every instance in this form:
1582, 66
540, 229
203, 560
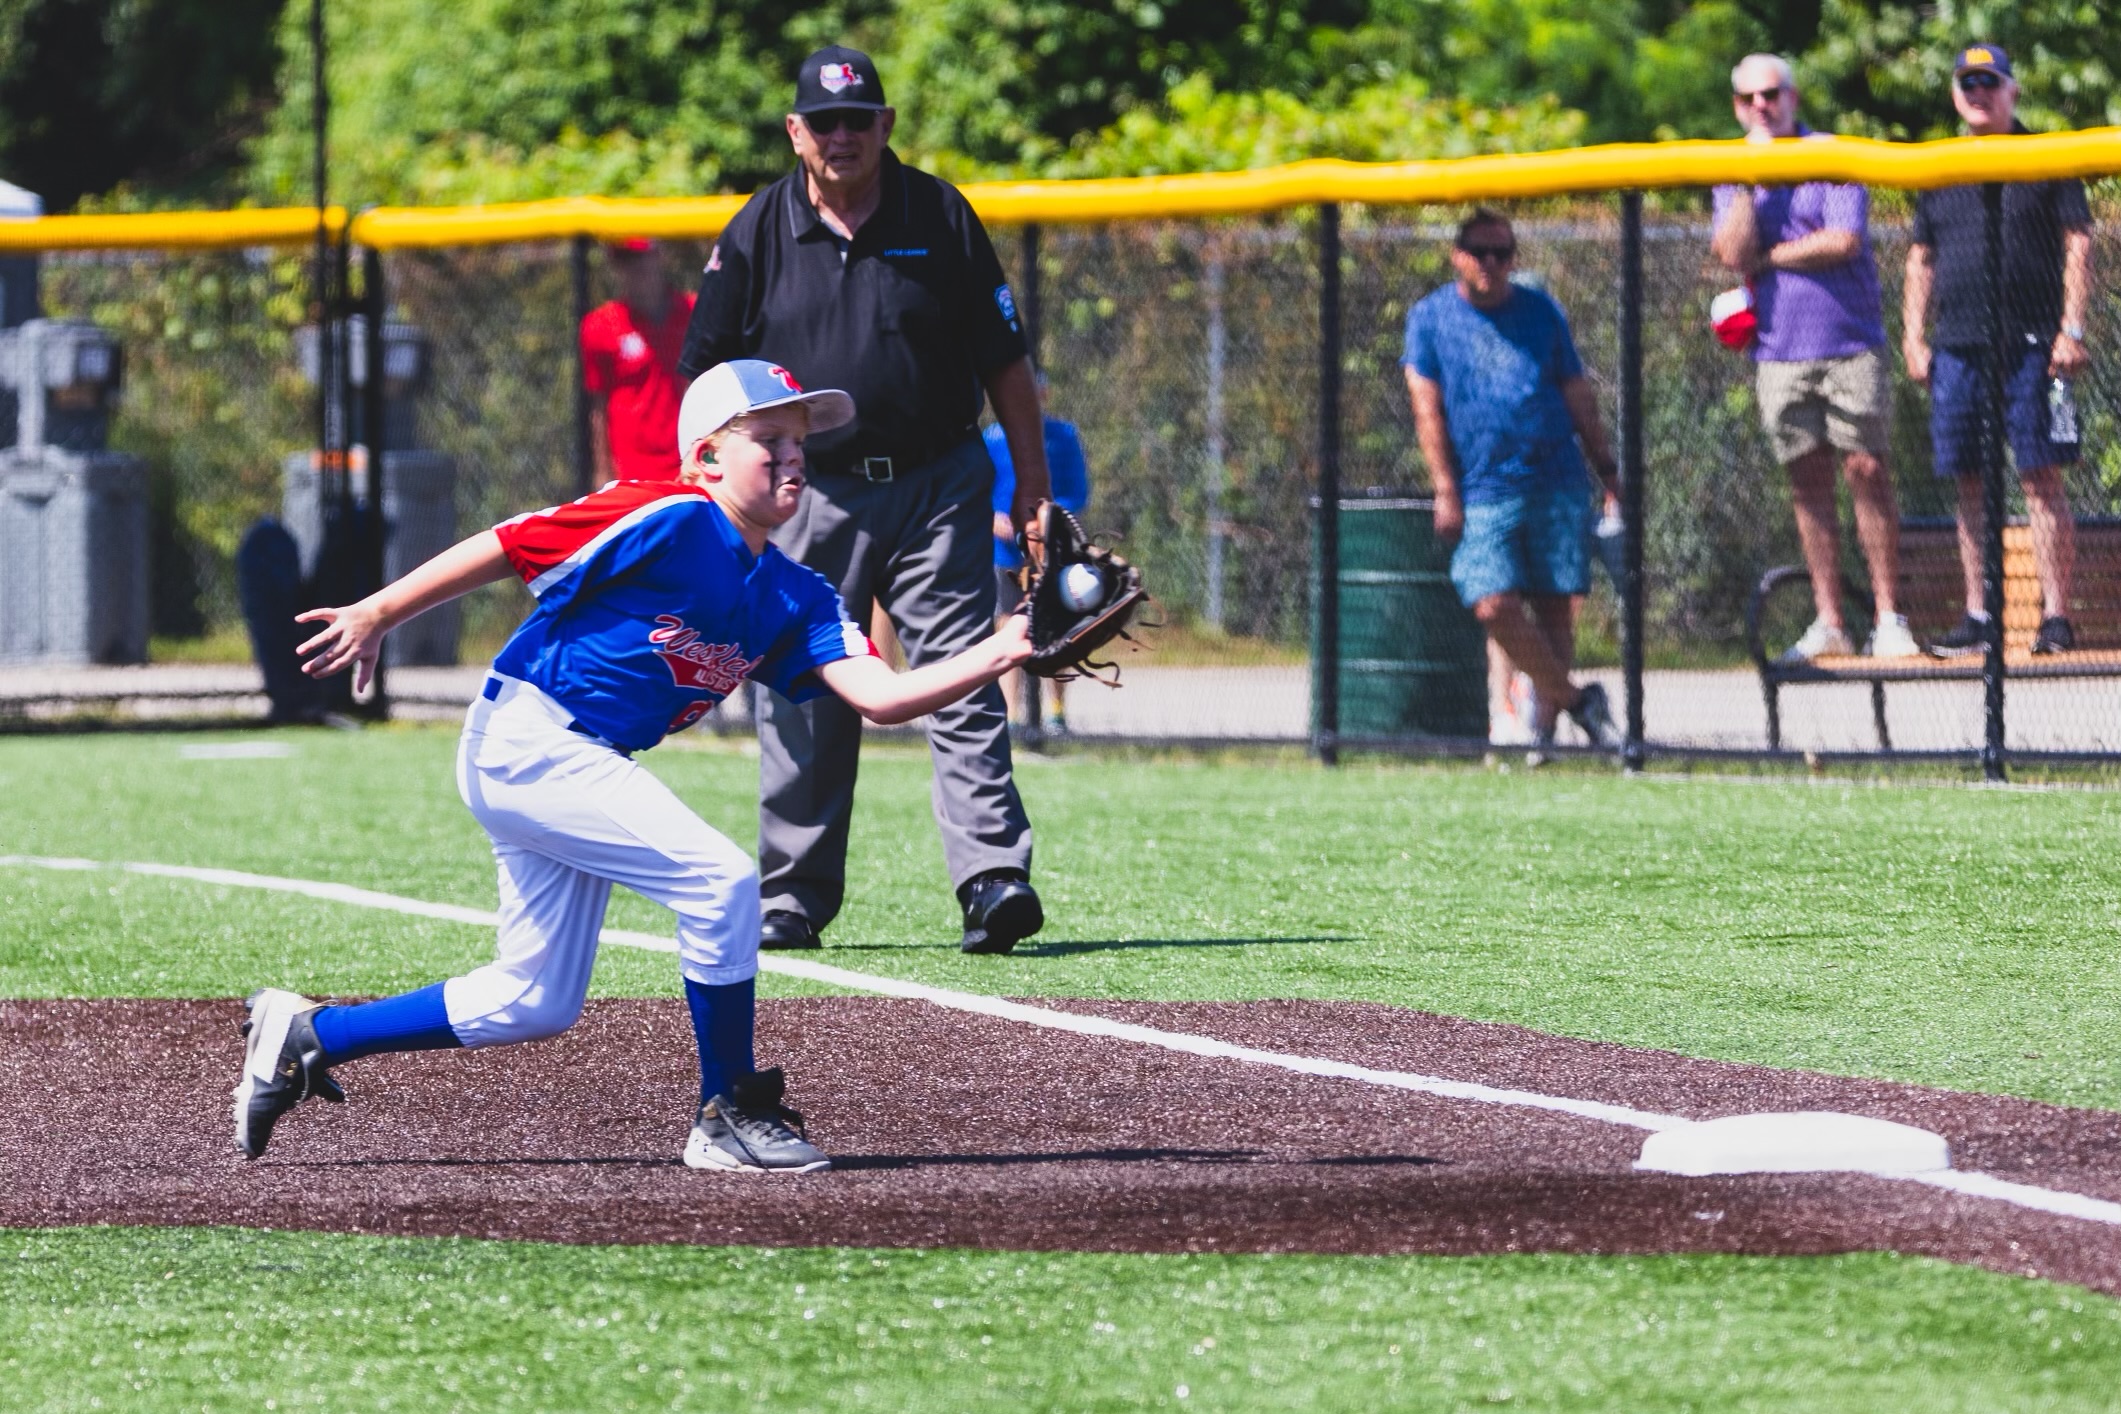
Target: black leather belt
873, 469
880, 470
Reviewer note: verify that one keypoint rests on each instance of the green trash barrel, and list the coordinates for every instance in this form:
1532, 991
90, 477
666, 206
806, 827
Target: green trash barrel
1413, 661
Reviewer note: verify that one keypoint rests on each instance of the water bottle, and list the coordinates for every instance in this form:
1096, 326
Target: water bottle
1611, 541
2061, 413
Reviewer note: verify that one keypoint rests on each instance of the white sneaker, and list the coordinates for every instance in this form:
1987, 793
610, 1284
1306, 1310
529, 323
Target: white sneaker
1821, 640
1504, 729
1511, 720
1891, 639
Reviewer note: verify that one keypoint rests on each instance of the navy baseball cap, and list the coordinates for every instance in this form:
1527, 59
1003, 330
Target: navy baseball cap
1983, 59
727, 391
838, 77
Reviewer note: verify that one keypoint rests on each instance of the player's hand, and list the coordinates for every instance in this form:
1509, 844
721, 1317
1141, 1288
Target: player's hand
1004, 528
352, 636
1012, 640
1917, 354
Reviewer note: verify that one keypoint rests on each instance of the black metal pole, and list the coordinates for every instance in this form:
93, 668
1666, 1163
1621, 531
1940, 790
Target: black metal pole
338, 444
376, 524
1992, 761
585, 456
1034, 313
342, 360
1033, 690
320, 280
1632, 751
1327, 743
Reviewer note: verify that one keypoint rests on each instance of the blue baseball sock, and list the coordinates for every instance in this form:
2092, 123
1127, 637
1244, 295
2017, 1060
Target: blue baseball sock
722, 1022
415, 1021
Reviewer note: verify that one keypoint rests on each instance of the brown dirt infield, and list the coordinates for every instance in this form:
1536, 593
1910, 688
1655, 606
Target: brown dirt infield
959, 1130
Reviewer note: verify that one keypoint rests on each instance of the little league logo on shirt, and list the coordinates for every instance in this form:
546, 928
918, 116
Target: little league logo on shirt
719, 668
1006, 303
632, 347
836, 77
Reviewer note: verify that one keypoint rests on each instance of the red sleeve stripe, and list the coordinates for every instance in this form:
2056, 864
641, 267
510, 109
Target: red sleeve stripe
857, 643
544, 547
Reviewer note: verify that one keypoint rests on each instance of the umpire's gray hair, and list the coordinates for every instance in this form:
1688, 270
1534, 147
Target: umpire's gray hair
1780, 65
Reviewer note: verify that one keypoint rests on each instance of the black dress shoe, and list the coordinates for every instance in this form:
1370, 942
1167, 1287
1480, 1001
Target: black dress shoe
1001, 910
781, 930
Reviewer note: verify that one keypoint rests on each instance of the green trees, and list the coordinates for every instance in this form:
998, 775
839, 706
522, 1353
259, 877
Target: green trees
478, 100
96, 92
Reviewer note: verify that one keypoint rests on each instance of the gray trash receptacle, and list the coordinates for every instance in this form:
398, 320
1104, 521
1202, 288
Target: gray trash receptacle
1413, 660
420, 521
73, 557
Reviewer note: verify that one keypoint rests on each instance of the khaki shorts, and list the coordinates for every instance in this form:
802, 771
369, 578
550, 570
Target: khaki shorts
1837, 402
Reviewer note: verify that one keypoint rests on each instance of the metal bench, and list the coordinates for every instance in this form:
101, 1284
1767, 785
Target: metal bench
1932, 597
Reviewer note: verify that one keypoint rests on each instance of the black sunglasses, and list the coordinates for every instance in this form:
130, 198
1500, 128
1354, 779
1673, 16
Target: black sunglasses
1503, 253
831, 120
1771, 94
1979, 81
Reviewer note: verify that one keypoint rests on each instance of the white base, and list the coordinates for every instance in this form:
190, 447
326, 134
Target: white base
1807, 1141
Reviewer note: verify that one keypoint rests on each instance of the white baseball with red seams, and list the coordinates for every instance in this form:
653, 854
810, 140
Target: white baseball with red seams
1082, 588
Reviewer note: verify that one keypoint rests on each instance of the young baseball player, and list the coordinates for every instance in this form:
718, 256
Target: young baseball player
655, 600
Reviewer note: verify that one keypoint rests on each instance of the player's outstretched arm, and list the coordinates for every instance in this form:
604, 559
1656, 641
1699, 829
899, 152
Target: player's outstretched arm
887, 698
353, 634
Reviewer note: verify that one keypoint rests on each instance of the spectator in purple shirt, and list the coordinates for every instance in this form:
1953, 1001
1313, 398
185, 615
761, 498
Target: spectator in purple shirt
1820, 371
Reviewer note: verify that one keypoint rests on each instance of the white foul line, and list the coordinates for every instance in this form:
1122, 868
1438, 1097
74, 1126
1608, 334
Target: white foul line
1979, 1185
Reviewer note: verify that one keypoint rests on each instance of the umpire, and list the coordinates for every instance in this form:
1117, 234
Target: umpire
856, 271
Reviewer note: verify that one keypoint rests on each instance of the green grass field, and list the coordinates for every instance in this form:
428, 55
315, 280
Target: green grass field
1944, 935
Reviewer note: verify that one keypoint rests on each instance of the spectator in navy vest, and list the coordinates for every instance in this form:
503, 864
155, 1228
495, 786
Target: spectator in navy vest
1500, 405
1069, 472
2047, 282
1819, 367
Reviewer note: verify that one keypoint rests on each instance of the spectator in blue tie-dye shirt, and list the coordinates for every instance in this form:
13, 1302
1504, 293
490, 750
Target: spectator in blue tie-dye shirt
1500, 403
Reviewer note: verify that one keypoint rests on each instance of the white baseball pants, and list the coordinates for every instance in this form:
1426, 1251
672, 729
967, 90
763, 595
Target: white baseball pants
570, 816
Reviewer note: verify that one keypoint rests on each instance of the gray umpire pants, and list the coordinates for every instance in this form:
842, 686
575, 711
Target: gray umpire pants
921, 545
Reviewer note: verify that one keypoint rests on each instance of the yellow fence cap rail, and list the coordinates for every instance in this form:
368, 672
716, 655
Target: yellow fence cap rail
604, 218
172, 230
1575, 171
1571, 172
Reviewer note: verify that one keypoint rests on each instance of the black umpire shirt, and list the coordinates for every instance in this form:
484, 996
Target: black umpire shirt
908, 317
1953, 223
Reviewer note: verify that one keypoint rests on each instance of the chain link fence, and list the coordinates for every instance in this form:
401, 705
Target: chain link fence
1190, 355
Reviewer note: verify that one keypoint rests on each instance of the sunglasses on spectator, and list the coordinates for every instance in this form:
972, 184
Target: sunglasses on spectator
1770, 94
1504, 253
1980, 81
854, 120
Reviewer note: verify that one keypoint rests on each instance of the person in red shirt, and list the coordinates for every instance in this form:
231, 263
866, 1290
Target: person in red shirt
630, 349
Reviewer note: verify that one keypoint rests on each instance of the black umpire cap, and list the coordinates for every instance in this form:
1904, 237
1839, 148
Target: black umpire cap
838, 77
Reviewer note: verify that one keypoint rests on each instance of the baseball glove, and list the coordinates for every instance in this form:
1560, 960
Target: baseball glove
1074, 611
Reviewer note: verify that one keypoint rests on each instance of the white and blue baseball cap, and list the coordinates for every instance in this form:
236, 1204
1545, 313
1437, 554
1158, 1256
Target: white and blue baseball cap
727, 391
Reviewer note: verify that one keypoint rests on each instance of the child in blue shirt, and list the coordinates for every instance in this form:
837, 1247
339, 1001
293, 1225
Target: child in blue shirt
655, 601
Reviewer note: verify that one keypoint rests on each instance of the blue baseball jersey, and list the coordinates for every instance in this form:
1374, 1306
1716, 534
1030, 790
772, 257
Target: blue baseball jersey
651, 609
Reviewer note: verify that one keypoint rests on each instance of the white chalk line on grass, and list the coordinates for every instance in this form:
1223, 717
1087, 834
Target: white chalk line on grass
1972, 1184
